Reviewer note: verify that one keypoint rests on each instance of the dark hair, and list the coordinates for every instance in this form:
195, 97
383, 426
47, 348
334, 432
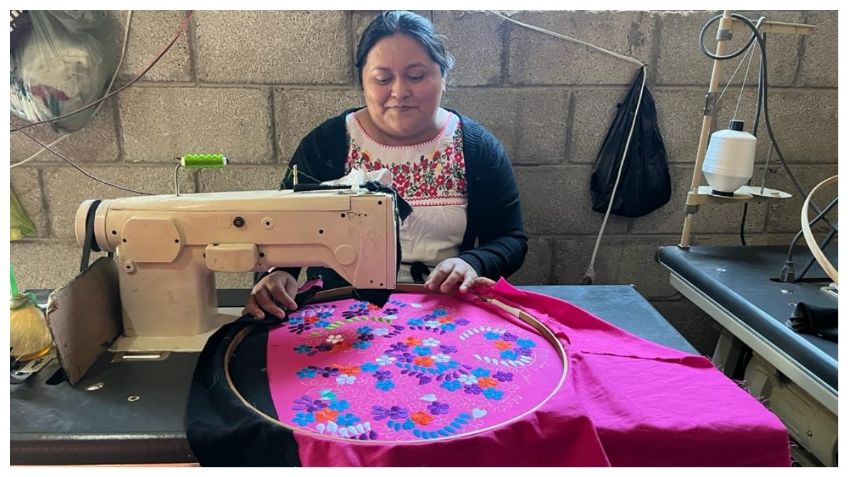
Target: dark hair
408, 23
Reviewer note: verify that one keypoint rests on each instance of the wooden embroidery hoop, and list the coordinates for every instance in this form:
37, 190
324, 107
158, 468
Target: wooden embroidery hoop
346, 292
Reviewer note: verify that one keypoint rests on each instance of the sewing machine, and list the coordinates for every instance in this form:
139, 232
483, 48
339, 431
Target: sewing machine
167, 247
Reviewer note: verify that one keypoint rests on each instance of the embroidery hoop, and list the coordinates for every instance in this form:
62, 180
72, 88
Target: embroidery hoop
346, 292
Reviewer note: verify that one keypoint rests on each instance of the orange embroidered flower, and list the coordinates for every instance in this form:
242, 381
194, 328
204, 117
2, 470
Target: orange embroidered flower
423, 361
487, 382
421, 417
503, 345
412, 341
326, 414
348, 369
446, 319
339, 347
310, 319
373, 307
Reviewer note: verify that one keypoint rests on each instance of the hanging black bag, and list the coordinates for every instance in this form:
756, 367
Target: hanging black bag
645, 184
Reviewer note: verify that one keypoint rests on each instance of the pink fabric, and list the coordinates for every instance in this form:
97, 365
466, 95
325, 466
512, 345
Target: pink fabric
625, 402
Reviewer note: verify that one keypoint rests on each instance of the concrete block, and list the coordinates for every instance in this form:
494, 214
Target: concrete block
279, 47
299, 111
150, 31
241, 178
96, 142
475, 39
66, 189
555, 200
160, 124
690, 321
537, 264
785, 215
713, 218
680, 60
26, 184
537, 58
594, 111
531, 124
680, 114
820, 60
805, 124
45, 263
621, 260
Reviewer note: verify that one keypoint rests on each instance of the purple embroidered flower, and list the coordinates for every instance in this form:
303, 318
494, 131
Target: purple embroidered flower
394, 412
366, 337
397, 348
461, 322
382, 375
502, 376
472, 389
327, 371
523, 351
509, 337
356, 312
438, 408
390, 311
445, 348
305, 403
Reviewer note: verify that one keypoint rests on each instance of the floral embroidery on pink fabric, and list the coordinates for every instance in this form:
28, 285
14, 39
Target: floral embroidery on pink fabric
422, 367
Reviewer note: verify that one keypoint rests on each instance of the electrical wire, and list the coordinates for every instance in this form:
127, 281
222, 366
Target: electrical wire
108, 89
87, 174
179, 32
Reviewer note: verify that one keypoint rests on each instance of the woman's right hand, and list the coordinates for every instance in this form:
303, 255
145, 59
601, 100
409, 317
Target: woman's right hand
278, 285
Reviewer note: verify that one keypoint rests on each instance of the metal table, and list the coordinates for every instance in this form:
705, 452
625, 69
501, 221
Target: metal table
136, 413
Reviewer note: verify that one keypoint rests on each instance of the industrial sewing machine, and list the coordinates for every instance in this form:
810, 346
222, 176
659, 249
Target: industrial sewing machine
167, 248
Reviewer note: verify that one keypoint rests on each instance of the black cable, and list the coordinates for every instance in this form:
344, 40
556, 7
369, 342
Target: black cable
810, 263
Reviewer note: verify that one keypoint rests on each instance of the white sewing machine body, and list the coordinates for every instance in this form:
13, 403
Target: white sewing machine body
167, 248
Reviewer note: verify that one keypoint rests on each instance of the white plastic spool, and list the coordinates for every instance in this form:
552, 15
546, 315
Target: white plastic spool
729, 162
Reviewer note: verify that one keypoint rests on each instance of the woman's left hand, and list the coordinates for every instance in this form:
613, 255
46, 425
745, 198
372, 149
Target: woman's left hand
456, 273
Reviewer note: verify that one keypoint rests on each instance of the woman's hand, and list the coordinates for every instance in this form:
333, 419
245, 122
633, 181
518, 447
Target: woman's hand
280, 286
455, 273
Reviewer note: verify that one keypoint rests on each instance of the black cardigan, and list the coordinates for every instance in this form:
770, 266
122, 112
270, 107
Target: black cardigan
494, 213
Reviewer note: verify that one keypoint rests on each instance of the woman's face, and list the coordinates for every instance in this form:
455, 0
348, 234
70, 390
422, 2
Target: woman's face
403, 88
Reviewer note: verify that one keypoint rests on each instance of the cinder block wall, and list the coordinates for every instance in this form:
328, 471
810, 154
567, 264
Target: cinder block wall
250, 84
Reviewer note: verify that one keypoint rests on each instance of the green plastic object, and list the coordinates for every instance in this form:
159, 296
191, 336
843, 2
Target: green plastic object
203, 161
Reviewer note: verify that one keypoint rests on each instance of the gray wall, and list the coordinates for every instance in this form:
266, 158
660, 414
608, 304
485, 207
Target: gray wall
250, 84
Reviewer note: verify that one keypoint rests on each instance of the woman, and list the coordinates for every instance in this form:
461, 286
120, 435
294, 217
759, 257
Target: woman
466, 220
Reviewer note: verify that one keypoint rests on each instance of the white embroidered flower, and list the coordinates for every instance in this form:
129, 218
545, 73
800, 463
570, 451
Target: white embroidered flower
430, 342
390, 317
441, 358
345, 379
385, 360
380, 331
432, 323
468, 379
333, 339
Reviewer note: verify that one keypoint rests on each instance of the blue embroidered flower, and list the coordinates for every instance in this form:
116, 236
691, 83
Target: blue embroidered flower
303, 418
359, 305
328, 394
491, 335
362, 330
307, 373
324, 314
448, 326
321, 324
303, 349
481, 372
452, 385
447, 348
438, 408
346, 419
295, 320
384, 385
382, 375
423, 350
362, 344
368, 367
339, 404
492, 393
525, 343
461, 322
508, 354
502, 376
415, 322
440, 312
